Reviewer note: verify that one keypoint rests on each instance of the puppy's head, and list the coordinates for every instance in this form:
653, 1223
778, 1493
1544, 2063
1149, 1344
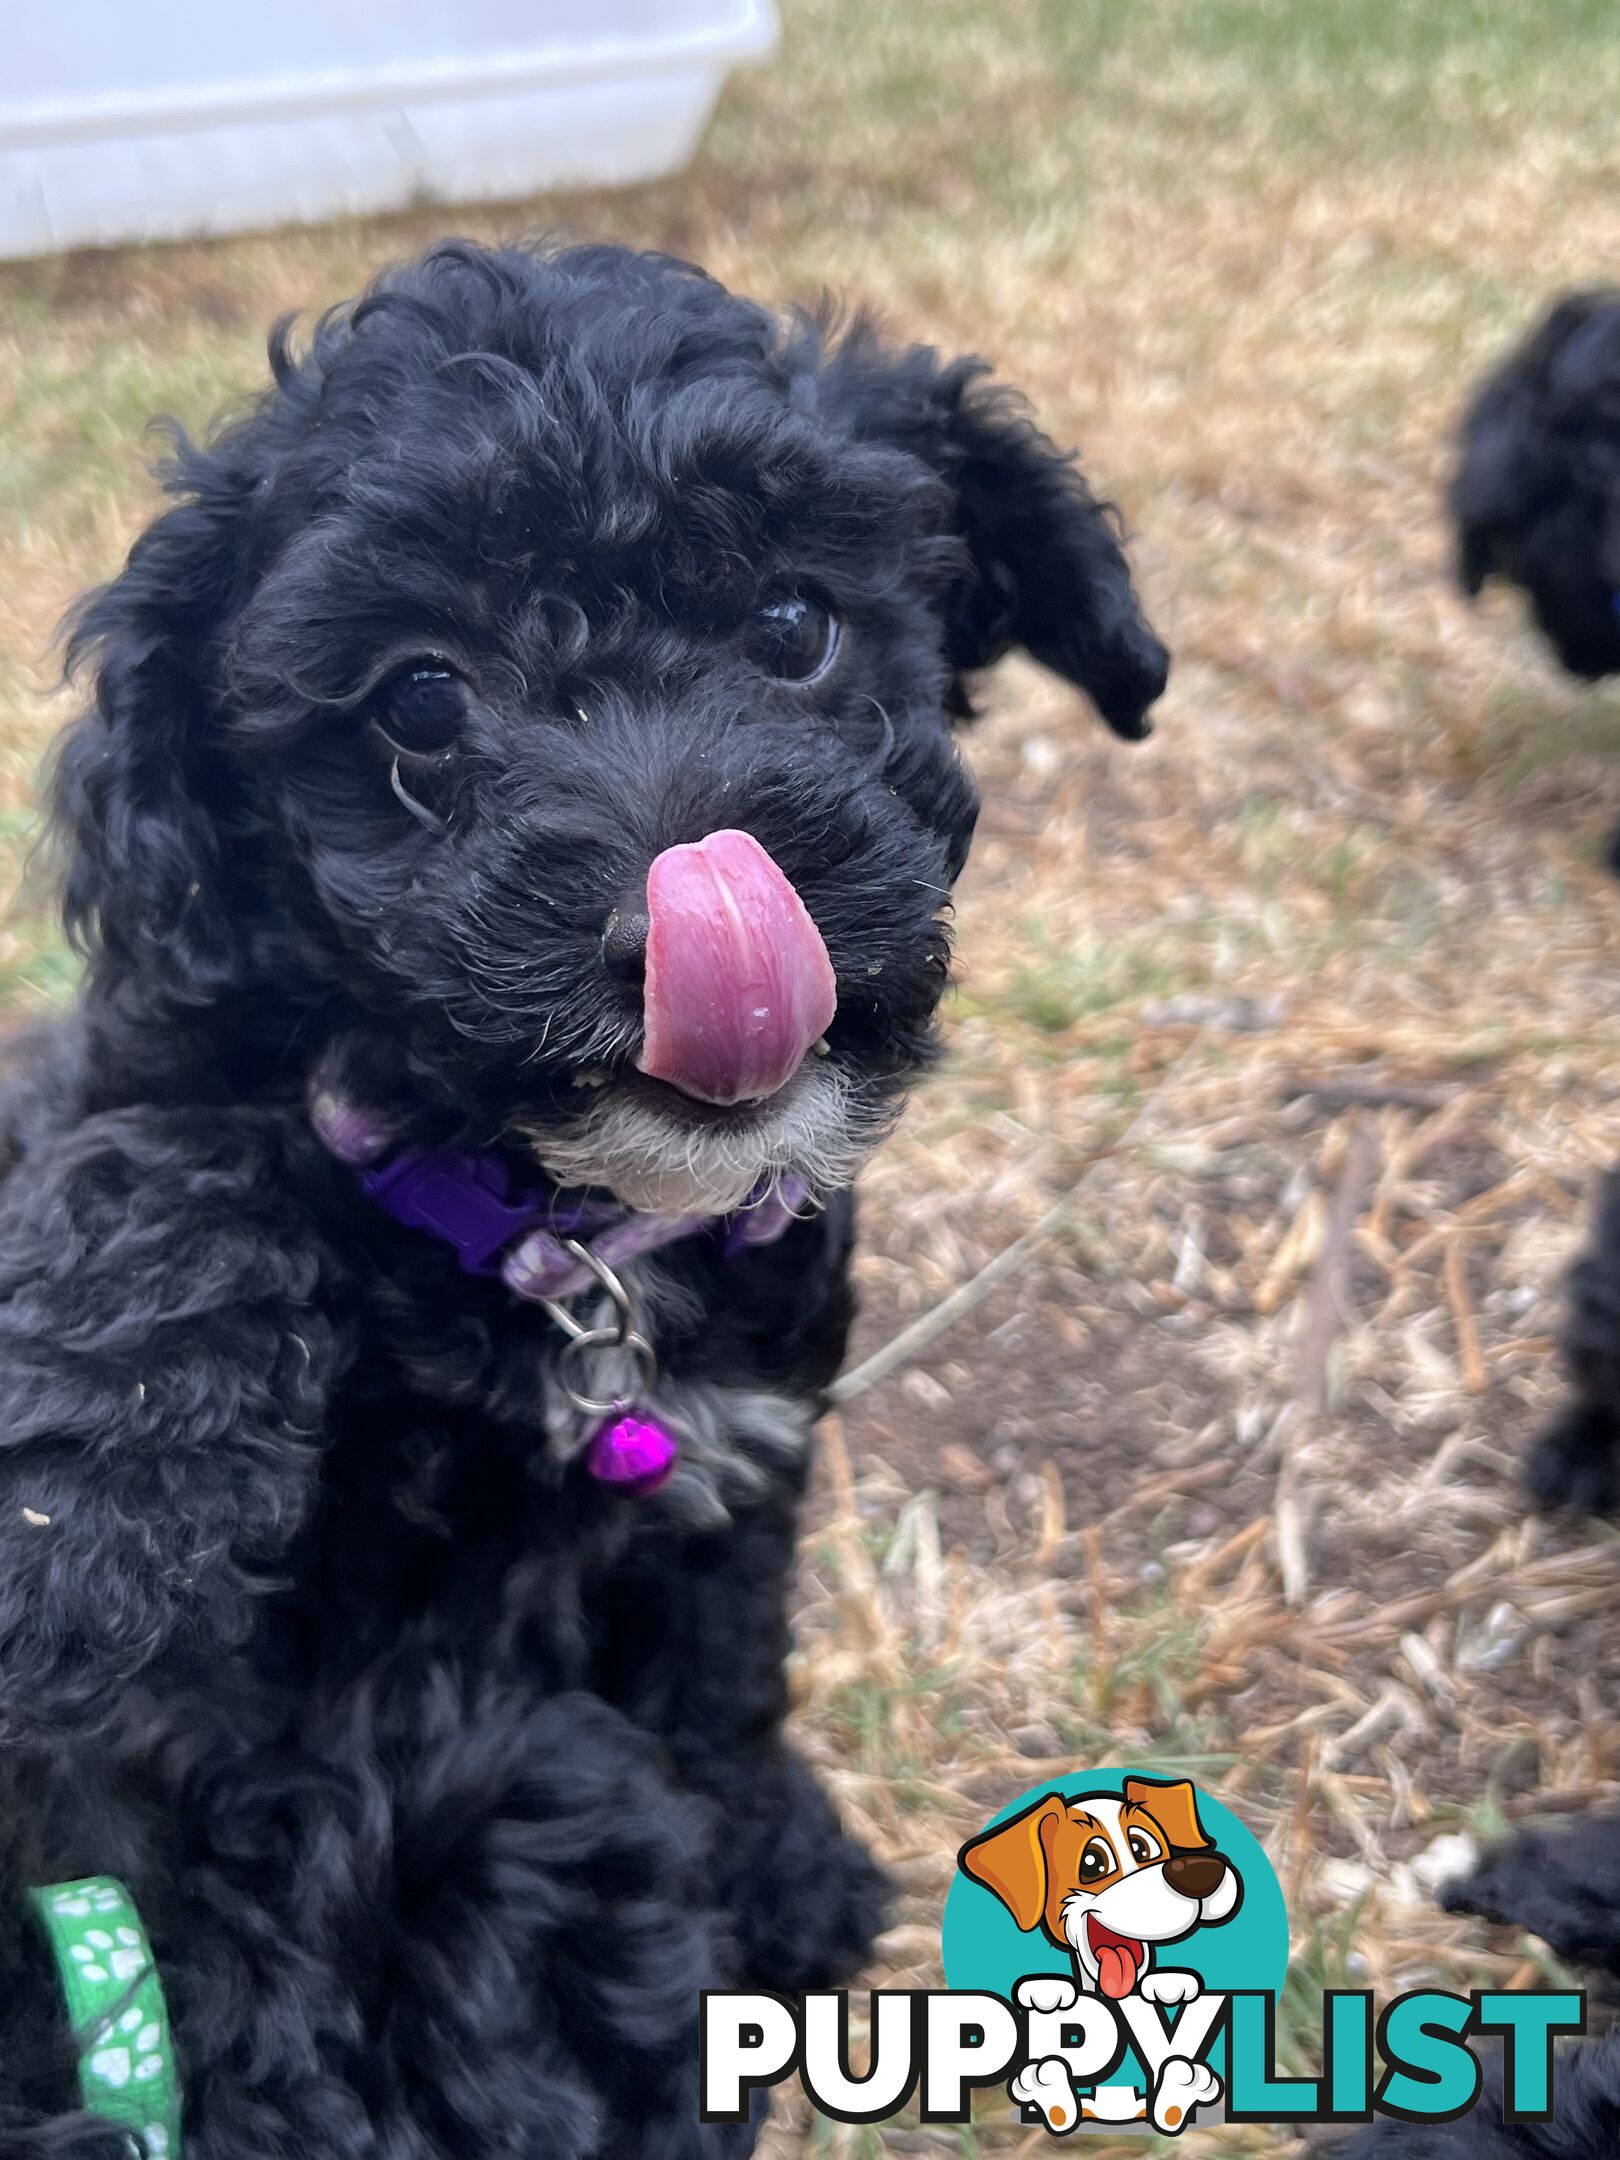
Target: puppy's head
1108, 1875
542, 701
1536, 493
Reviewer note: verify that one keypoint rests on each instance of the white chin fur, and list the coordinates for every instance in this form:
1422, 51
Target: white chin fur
654, 1160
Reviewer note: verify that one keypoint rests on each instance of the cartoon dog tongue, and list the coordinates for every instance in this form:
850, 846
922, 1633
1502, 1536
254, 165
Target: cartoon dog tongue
738, 984
1118, 1960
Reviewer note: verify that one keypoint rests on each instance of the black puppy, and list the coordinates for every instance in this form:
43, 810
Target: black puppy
509, 843
1576, 1462
1536, 499
1536, 494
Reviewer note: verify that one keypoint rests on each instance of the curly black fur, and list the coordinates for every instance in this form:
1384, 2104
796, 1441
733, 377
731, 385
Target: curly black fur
1563, 1885
444, 1776
1574, 1464
1536, 499
1536, 495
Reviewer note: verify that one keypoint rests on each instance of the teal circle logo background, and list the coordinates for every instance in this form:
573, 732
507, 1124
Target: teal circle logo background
983, 1947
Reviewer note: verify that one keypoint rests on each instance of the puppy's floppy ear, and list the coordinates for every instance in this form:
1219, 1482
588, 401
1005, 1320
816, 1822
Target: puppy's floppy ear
1496, 479
1043, 565
141, 790
1174, 1807
1011, 1860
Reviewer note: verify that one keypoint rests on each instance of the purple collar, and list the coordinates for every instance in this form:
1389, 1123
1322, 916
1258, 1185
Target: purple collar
500, 1223
471, 1200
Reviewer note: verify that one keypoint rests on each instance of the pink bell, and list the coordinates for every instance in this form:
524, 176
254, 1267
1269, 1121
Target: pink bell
635, 1453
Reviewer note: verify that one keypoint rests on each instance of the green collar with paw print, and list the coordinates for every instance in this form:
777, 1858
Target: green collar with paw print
116, 2009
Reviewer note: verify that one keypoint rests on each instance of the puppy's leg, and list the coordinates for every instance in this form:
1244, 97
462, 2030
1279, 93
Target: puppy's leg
1575, 1463
1563, 1885
483, 1921
164, 1368
699, 1647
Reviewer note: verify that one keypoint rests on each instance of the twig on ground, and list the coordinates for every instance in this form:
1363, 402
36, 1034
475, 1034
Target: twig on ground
1349, 1093
915, 1337
1288, 1518
1328, 1304
1475, 1377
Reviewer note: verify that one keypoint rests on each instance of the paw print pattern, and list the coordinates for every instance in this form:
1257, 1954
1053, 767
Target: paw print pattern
115, 1999
130, 2051
100, 1956
80, 1903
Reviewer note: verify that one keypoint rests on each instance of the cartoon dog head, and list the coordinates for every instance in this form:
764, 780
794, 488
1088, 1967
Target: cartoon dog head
1107, 1876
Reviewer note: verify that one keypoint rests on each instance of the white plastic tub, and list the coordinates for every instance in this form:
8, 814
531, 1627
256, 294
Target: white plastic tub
159, 119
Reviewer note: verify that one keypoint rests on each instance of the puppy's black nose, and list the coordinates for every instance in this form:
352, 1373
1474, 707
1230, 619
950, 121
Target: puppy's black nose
624, 942
1195, 1874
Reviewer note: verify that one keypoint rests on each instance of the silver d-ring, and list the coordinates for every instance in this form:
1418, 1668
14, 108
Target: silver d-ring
641, 1351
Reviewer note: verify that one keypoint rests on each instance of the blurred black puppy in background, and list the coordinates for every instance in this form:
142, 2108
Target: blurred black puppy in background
1576, 1462
519, 777
1562, 1884
1536, 499
1536, 493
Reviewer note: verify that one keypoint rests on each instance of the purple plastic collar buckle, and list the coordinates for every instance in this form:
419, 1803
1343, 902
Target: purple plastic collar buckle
465, 1199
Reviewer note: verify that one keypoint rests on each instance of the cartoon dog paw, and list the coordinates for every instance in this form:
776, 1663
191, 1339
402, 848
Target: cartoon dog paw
1047, 2085
1182, 2086
1169, 1987
1046, 1992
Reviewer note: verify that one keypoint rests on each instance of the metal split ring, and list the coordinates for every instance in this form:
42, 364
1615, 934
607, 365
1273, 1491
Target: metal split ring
624, 1313
621, 1334
589, 1339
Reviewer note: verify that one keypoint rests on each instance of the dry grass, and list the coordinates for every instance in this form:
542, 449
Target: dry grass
1309, 1006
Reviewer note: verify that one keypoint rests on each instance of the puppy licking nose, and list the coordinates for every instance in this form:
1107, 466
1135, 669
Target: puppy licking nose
738, 985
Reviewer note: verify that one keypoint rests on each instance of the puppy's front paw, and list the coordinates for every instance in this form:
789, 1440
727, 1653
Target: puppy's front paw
1046, 1992
1563, 1885
1182, 2086
807, 1900
1575, 1464
1048, 2086
825, 1933
1169, 1987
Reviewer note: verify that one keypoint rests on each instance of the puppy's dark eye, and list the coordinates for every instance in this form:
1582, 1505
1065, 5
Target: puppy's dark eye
796, 640
420, 711
1096, 1861
1143, 1849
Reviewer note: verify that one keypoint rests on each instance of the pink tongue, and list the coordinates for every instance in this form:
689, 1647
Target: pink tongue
738, 982
1116, 1969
